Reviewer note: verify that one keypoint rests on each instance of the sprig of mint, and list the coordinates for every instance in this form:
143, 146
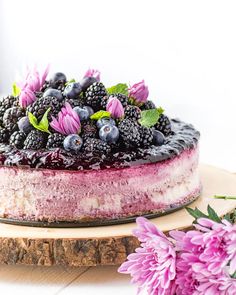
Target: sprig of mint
149, 118
100, 114
70, 81
119, 88
15, 90
211, 214
43, 125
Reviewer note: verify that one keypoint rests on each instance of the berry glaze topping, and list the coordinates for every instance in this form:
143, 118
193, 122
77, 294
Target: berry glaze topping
69, 125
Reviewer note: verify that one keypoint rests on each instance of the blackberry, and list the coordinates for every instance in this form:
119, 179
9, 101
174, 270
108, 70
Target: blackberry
97, 146
132, 112
35, 140
94, 95
129, 133
11, 117
17, 139
55, 140
89, 129
148, 105
75, 102
146, 136
122, 98
40, 106
164, 125
4, 135
45, 86
6, 103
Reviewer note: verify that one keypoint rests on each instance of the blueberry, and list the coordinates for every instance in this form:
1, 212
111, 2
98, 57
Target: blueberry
73, 90
58, 78
109, 133
84, 112
24, 125
158, 137
54, 93
73, 143
105, 121
86, 82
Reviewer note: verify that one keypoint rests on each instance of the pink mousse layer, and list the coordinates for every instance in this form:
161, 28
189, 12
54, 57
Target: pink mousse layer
43, 194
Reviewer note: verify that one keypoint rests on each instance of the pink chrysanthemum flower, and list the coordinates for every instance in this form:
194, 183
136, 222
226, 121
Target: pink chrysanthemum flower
26, 97
68, 121
152, 267
206, 258
139, 92
93, 73
33, 82
115, 108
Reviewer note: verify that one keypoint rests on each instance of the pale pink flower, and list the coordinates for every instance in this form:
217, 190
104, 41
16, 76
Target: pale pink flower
26, 97
68, 121
115, 108
93, 73
139, 92
152, 267
33, 82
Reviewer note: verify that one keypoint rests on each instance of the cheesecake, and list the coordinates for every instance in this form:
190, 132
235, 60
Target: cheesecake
78, 152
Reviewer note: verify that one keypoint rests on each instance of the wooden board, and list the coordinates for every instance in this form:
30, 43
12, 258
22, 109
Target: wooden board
105, 245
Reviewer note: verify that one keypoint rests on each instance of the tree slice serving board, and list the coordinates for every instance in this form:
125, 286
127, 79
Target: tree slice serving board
105, 245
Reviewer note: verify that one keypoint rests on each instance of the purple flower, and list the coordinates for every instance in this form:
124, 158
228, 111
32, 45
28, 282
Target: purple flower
139, 92
115, 108
93, 73
26, 97
68, 121
33, 82
152, 266
206, 258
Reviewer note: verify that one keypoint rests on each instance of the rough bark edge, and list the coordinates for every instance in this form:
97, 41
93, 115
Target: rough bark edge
67, 252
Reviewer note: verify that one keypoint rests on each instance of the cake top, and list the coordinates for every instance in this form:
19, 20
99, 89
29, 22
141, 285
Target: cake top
64, 124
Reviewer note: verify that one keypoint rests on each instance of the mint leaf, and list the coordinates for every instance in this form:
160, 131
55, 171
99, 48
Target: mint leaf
233, 275
15, 90
70, 81
43, 125
150, 117
100, 114
212, 214
119, 88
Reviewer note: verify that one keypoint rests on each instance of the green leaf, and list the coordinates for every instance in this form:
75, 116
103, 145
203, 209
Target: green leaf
150, 117
233, 275
15, 90
196, 213
212, 214
119, 88
43, 125
70, 81
100, 114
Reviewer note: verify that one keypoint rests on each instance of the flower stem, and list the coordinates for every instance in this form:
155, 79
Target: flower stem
225, 197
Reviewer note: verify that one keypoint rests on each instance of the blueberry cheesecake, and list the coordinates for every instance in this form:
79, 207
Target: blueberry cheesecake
77, 151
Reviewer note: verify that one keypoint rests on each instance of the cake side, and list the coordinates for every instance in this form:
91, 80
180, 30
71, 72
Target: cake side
49, 195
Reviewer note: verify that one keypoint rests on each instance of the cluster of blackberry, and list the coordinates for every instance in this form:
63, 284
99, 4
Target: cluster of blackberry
85, 97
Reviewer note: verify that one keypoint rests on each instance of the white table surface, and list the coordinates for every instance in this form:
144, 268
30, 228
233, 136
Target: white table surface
218, 147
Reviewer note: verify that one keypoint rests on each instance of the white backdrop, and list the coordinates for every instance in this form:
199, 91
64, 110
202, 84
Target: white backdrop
185, 51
